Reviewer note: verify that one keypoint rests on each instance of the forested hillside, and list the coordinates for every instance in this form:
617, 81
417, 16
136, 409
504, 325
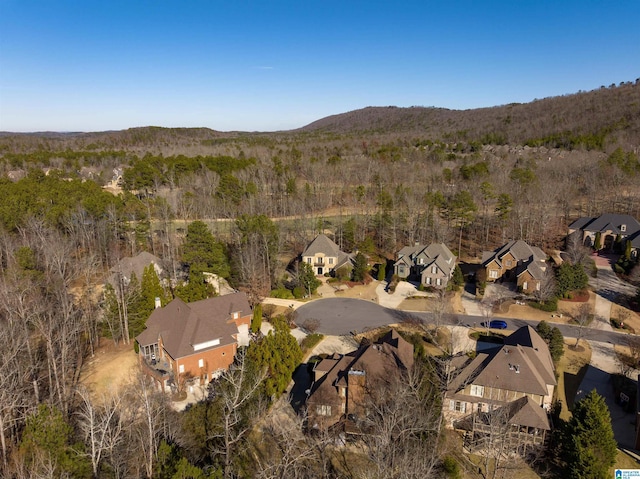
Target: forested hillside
75, 204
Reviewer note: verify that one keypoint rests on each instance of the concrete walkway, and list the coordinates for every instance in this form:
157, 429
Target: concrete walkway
404, 290
287, 303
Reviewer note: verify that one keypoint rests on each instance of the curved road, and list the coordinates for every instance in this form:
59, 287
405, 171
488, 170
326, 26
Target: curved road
342, 316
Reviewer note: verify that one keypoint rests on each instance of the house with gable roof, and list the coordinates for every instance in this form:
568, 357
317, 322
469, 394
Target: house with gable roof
615, 230
340, 381
325, 256
129, 266
433, 264
514, 382
516, 262
194, 340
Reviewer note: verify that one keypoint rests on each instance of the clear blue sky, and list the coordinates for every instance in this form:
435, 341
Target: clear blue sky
90, 65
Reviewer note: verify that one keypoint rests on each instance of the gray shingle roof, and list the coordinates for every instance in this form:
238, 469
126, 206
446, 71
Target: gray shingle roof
181, 325
322, 244
608, 221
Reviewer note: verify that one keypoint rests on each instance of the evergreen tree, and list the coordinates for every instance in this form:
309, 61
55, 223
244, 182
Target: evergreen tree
307, 279
256, 321
359, 268
195, 289
382, 271
588, 448
278, 352
202, 253
47, 434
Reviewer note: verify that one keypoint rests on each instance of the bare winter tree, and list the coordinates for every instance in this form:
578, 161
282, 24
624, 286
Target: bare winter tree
101, 425
402, 428
576, 252
547, 289
582, 318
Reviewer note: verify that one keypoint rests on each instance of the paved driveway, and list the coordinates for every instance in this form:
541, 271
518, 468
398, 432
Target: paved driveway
603, 364
338, 316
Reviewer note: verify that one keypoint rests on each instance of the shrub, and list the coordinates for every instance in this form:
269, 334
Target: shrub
311, 341
298, 292
451, 467
281, 293
549, 306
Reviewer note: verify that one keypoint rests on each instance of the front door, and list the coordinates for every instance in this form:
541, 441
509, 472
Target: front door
320, 271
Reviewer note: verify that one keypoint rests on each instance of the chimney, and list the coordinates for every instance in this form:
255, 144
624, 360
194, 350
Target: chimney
158, 303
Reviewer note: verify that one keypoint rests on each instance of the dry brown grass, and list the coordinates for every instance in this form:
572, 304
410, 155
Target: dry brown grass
110, 368
571, 370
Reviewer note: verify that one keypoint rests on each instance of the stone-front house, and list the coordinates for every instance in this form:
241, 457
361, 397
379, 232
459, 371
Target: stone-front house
516, 262
615, 230
194, 340
325, 256
433, 264
340, 382
513, 383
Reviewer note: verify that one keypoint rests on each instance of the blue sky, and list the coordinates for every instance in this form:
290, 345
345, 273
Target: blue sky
244, 65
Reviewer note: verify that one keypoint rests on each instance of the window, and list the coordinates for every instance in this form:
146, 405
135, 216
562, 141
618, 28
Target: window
538, 286
343, 407
439, 281
480, 406
236, 315
623, 228
434, 269
421, 261
309, 260
200, 363
460, 406
181, 369
493, 273
323, 410
400, 269
525, 285
477, 390
330, 260
428, 280
343, 392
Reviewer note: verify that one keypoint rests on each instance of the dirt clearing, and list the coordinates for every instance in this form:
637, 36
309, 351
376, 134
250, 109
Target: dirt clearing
110, 368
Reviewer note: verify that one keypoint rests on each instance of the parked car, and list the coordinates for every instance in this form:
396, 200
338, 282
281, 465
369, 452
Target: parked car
496, 324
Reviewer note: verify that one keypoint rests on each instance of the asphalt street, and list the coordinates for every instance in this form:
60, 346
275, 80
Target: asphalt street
343, 316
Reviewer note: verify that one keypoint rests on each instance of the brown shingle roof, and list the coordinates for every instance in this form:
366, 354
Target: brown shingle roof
182, 325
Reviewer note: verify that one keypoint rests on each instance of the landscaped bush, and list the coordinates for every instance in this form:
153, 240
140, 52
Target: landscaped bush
281, 293
298, 292
311, 341
549, 306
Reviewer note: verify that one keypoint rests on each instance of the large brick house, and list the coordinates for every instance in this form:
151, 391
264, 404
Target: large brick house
513, 382
433, 265
340, 381
516, 262
614, 230
194, 340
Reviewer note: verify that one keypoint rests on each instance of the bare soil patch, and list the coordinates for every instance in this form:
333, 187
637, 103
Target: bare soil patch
110, 368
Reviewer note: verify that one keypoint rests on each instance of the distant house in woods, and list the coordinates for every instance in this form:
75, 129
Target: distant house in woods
507, 389
340, 382
325, 256
127, 267
194, 340
516, 262
433, 264
615, 231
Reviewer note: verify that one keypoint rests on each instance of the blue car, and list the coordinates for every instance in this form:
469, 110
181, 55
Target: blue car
498, 324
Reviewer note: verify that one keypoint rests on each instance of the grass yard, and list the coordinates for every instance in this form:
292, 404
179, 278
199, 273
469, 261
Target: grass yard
571, 370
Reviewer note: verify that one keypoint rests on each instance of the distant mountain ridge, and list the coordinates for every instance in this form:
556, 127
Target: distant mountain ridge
616, 108
608, 115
